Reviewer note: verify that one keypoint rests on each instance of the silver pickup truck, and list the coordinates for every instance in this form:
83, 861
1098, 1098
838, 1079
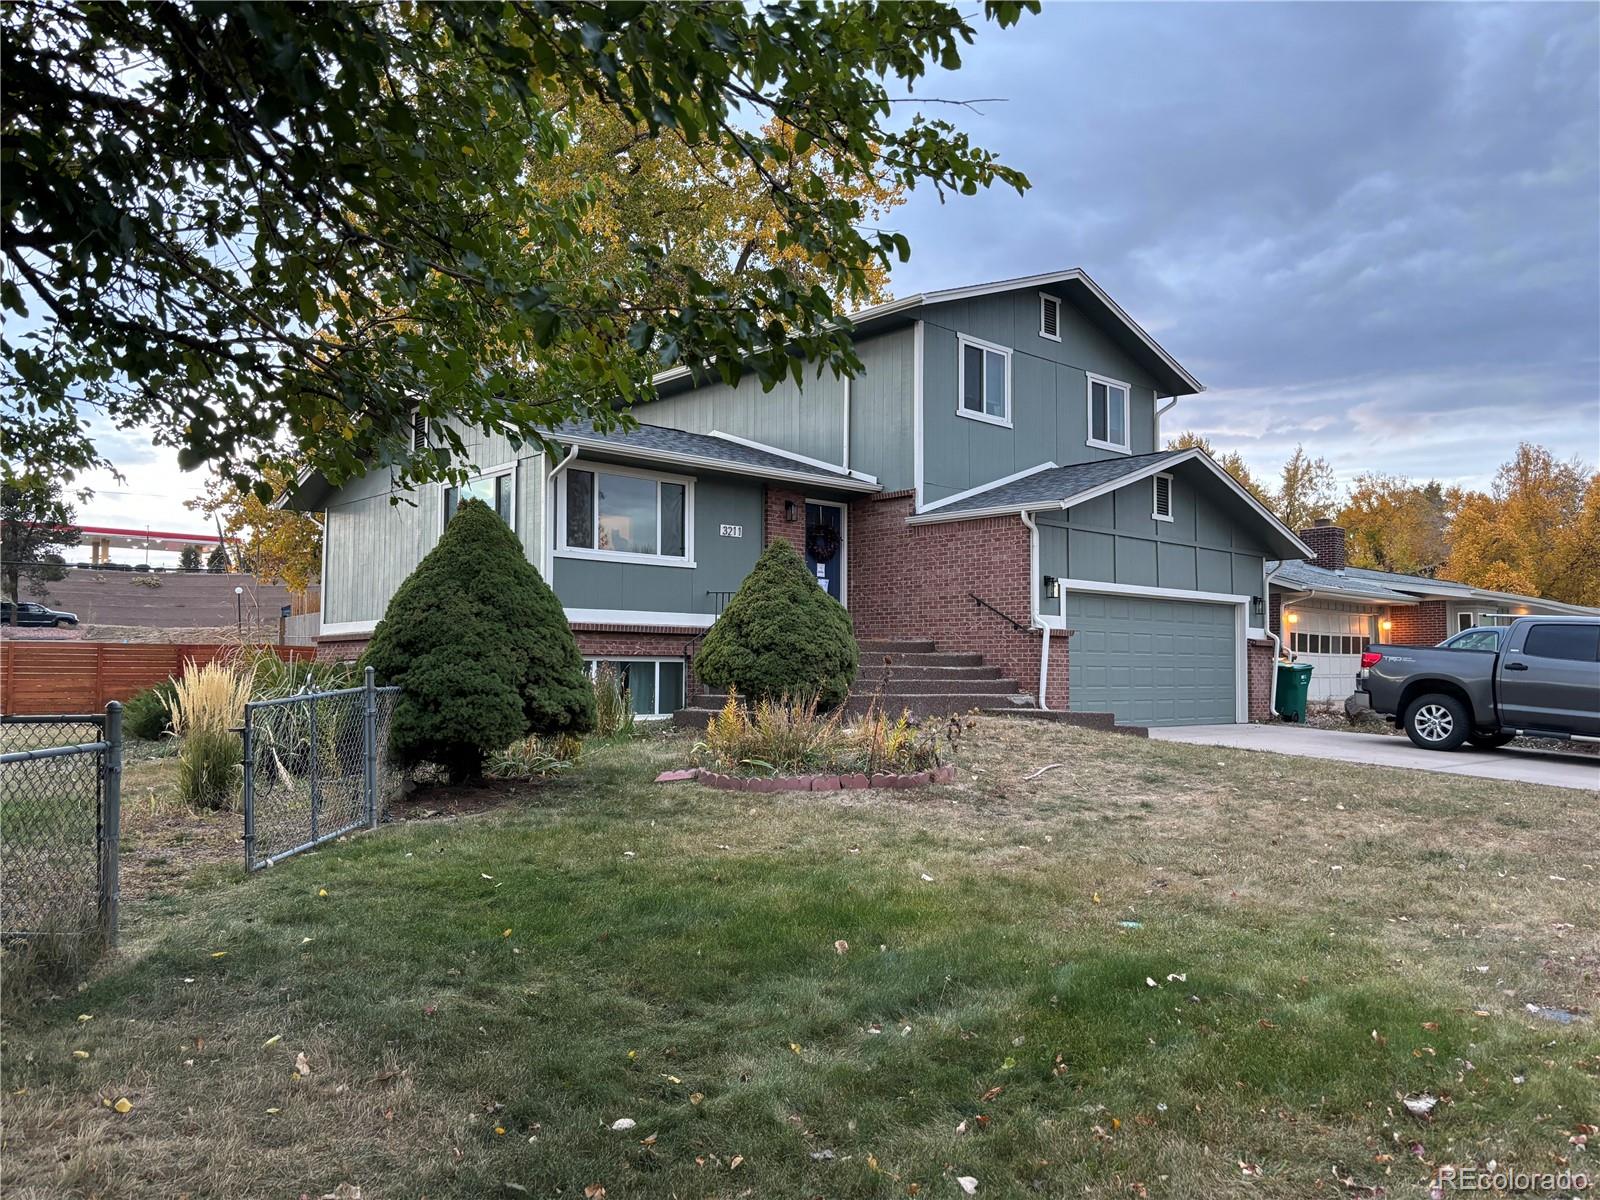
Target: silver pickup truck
1537, 677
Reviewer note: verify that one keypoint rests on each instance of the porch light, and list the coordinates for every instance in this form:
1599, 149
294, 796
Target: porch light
1052, 588
1293, 618
1257, 607
788, 510
1384, 624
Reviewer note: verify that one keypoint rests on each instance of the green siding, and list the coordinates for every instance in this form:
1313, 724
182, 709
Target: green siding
1049, 393
1208, 546
721, 563
809, 418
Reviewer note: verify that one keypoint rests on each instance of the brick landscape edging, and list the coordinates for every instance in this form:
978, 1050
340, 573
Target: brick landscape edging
808, 783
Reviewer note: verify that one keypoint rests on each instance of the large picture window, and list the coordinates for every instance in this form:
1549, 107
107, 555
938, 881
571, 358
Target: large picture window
1108, 413
614, 513
497, 491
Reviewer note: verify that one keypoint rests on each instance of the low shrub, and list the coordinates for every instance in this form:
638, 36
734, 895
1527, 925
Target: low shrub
147, 715
535, 757
790, 736
613, 707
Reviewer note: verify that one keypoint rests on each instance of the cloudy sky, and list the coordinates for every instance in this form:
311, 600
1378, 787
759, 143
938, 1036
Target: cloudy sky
1374, 229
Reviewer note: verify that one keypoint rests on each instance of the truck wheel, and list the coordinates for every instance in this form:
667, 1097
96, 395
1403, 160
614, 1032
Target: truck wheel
1489, 741
1437, 722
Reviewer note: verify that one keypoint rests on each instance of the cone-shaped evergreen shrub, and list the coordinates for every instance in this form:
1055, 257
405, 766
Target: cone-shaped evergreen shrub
481, 648
781, 635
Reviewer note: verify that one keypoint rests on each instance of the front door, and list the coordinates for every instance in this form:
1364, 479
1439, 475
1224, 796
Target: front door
825, 549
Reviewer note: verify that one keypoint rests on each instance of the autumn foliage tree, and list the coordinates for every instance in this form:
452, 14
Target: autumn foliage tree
278, 544
1230, 461
1536, 533
1394, 524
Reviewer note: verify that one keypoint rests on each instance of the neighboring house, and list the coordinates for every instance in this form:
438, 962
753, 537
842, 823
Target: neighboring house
991, 482
1327, 612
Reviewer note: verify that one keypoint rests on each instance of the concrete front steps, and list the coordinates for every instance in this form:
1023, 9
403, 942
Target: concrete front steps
910, 675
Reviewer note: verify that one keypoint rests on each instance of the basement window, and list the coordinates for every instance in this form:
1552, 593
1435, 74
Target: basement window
1161, 508
654, 685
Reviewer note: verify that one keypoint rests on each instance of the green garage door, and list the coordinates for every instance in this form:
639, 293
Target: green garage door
1152, 662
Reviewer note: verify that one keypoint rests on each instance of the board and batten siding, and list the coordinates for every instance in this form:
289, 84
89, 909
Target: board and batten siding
1049, 393
377, 533
1114, 539
721, 562
808, 418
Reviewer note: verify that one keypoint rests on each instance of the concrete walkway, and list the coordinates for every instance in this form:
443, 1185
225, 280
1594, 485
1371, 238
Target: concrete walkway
1553, 769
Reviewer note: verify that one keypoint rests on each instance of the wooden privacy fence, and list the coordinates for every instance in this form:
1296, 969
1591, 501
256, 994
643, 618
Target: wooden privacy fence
52, 677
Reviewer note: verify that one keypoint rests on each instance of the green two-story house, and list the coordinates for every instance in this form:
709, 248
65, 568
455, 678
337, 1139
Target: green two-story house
992, 482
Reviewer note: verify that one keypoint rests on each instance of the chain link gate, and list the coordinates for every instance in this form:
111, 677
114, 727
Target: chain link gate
60, 824
315, 768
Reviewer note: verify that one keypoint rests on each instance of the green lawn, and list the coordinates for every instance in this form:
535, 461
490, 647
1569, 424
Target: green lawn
479, 999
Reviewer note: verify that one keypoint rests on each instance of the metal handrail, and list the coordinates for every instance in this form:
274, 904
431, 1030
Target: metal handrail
982, 603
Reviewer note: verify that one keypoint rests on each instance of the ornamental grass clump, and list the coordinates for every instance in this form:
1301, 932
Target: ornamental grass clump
613, 706
207, 704
791, 736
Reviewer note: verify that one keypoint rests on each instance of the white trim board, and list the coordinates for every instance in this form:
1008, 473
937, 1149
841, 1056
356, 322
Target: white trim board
850, 483
918, 344
629, 616
973, 491
750, 443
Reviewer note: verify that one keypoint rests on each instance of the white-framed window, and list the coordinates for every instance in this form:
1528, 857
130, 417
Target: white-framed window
497, 489
1161, 497
623, 513
654, 685
1049, 316
1472, 620
1109, 414
984, 386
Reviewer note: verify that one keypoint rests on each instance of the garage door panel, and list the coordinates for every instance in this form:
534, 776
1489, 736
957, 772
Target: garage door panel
1152, 661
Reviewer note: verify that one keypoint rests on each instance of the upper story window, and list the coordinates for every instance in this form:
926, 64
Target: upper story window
1109, 416
421, 427
985, 389
1161, 499
621, 513
1049, 316
497, 490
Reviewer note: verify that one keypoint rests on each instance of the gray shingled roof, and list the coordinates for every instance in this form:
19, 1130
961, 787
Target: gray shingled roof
656, 440
1056, 484
1305, 576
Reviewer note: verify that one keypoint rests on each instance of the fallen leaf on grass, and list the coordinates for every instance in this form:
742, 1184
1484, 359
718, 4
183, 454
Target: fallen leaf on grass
1250, 1170
272, 1041
220, 954
992, 1093
926, 878
123, 1105
622, 1124
302, 1065
594, 1192
841, 947
795, 1046
733, 1165
80, 1054
85, 1016
696, 1097
967, 1184
1421, 1105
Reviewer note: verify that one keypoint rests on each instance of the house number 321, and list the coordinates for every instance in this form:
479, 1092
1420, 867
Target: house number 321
733, 531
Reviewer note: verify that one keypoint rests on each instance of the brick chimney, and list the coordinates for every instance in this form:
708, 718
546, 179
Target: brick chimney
1327, 540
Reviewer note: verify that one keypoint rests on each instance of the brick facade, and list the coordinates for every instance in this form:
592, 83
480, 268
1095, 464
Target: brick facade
1423, 624
776, 525
918, 581
342, 649
1329, 543
1259, 666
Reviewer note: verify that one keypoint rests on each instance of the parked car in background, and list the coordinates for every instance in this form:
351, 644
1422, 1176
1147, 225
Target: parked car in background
35, 614
1537, 677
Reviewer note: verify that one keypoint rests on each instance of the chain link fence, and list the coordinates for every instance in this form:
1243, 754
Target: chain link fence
316, 767
60, 815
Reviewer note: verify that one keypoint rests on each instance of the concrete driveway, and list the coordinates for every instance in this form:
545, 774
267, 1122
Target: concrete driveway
1522, 766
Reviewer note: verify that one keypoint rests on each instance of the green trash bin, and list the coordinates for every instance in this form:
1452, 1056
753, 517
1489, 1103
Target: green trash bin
1294, 683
